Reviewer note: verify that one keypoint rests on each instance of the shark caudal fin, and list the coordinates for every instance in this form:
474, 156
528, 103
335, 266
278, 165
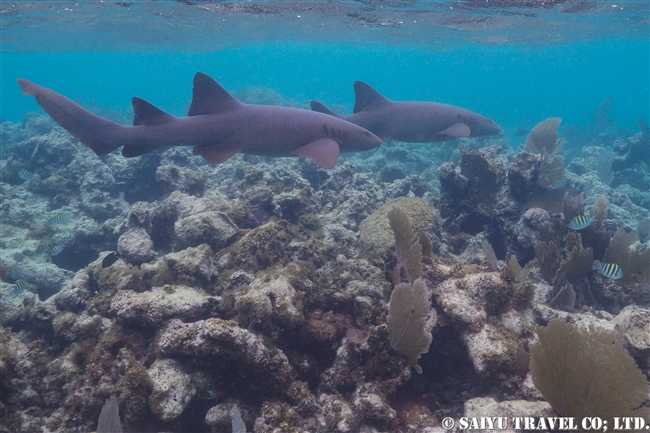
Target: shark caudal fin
320, 108
367, 98
99, 134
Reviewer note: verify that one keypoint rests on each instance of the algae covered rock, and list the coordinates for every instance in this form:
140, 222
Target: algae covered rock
223, 344
275, 300
194, 266
490, 350
376, 234
172, 389
633, 324
483, 408
12, 305
136, 247
153, 307
212, 228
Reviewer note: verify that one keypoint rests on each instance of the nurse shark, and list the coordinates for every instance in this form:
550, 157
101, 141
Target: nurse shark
217, 126
411, 122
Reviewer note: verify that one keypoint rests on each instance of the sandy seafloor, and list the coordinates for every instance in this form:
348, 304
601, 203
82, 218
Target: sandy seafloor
265, 283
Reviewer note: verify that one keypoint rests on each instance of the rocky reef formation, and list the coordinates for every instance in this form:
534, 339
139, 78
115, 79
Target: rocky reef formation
187, 290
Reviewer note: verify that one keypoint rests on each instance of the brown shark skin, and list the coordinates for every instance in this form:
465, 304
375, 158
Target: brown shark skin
414, 122
251, 129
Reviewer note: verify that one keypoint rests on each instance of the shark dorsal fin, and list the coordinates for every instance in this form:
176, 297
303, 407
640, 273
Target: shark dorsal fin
320, 108
148, 114
365, 97
209, 97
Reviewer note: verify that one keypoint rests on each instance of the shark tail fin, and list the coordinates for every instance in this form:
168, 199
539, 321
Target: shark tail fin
365, 97
101, 135
320, 108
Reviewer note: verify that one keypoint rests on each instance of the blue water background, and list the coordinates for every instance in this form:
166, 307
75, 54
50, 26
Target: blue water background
515, 85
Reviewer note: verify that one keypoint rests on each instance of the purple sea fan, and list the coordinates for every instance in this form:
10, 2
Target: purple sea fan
408, 333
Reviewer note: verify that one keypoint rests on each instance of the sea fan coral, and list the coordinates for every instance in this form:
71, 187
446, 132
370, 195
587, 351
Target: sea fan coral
543, 137
407, 245
407, 320
584, 372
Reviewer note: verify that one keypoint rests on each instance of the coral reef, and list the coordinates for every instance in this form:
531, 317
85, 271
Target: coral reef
265, 295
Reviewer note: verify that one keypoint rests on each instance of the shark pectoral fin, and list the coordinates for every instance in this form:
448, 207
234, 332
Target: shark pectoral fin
324, 152
214, 154
456, 130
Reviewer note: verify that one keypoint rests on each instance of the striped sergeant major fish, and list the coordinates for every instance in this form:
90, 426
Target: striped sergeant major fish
581, 222
610, 270
24, 174
56, 249
58, 219
19, 287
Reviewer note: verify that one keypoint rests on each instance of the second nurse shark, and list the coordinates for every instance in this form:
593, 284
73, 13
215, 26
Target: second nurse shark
218, 126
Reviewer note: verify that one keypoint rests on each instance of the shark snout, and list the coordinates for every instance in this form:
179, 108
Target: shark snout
485, 127
366, 140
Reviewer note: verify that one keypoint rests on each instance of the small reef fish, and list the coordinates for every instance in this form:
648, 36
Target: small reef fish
19, 257
581, 222
19, 287
24, 174
218, 126
59, 219
109, 259
56, 249
411, 122
42, 249
610, 270
368, 153
522, 132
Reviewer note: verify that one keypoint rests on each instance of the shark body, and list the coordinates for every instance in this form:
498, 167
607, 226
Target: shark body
411, 122
217, 126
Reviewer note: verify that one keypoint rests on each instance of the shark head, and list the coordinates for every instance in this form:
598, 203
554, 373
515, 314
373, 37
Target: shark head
481, 126
362, 140
350, 137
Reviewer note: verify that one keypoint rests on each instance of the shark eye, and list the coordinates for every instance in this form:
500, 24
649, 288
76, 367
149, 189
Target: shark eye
366, 133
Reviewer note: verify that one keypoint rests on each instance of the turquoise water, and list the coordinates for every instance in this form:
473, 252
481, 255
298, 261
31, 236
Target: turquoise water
514, 84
